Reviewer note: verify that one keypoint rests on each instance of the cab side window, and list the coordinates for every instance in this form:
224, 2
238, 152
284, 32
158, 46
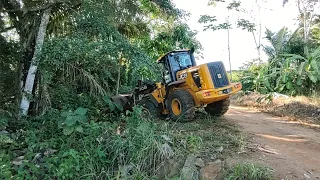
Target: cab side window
166, 73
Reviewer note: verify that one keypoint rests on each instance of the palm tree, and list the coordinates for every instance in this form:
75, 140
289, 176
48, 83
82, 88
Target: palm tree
24, 17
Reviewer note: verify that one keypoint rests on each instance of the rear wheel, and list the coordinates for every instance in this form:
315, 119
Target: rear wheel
149, 109
218, 108
181, 105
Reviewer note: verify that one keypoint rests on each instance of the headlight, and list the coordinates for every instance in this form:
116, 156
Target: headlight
225, 91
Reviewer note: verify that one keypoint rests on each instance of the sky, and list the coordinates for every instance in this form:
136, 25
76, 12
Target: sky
272, 14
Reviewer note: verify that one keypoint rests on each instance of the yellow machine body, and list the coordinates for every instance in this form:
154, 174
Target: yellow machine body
185, 86
207, 93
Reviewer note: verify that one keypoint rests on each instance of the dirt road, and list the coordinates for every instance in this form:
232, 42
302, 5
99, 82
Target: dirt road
292, 150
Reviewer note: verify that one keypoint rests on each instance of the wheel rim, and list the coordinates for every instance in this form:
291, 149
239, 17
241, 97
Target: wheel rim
176, 107
146, 112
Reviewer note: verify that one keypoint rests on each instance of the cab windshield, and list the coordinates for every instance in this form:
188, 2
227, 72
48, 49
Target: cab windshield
181, 61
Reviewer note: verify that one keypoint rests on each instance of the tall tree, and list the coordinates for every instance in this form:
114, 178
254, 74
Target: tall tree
23, 18
307, 14
245, 24
211, 24
84, 40
30, 80
251, 27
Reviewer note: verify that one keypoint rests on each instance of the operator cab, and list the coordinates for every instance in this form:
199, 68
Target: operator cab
175, 61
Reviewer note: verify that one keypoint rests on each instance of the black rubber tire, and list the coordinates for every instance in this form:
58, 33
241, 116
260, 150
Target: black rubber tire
187, 105
151, 110
218, 108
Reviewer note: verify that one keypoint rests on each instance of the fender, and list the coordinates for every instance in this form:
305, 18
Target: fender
177, 82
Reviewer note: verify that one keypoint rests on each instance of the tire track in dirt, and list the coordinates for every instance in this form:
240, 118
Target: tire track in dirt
292, 150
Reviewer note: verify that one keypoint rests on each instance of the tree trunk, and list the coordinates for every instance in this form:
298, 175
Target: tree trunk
259, 40
229, 53
118, 80
305, 38
19, 84
259, 47
303, 11
256, 43
27, 92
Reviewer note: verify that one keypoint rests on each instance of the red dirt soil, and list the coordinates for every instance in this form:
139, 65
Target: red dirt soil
291, 149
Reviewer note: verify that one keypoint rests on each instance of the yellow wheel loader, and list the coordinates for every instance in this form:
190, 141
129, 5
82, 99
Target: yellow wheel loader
185, 87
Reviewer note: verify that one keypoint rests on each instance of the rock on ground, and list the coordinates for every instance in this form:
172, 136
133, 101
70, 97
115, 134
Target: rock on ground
211, 170
199, 162
190, 170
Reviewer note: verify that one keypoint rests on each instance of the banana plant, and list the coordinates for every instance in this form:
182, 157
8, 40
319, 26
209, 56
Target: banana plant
301, 70
308, 66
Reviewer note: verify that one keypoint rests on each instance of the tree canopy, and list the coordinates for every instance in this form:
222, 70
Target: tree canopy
87, 43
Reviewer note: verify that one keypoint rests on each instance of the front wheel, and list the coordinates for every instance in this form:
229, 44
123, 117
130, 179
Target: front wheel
218, 108
149, 109
181, 105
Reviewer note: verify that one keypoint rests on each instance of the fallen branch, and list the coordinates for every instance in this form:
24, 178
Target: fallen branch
263, 149
266, 150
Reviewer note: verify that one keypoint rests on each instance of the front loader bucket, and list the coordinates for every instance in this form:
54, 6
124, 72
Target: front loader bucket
123, 100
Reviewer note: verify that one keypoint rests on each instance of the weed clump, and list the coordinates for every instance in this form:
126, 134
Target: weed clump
249, 171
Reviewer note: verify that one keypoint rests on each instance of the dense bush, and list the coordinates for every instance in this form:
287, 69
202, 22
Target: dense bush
289, 70
131, 147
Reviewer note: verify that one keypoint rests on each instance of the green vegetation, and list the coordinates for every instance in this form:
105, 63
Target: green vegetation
293, 64
292, 68
293, 57
60, 61
91, 50
212, 137
131, 148
249, 171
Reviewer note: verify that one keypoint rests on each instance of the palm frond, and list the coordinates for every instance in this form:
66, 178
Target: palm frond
293, 35
85, 78
279, 39
269, 34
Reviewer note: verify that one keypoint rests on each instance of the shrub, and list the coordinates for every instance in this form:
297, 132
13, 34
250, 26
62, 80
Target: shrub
131, 147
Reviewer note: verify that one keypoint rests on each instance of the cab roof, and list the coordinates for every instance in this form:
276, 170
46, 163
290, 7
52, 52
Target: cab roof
160, 59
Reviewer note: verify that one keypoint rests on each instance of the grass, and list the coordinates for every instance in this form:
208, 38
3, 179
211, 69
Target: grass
249, 171
210, 137
131, 147
99, 152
